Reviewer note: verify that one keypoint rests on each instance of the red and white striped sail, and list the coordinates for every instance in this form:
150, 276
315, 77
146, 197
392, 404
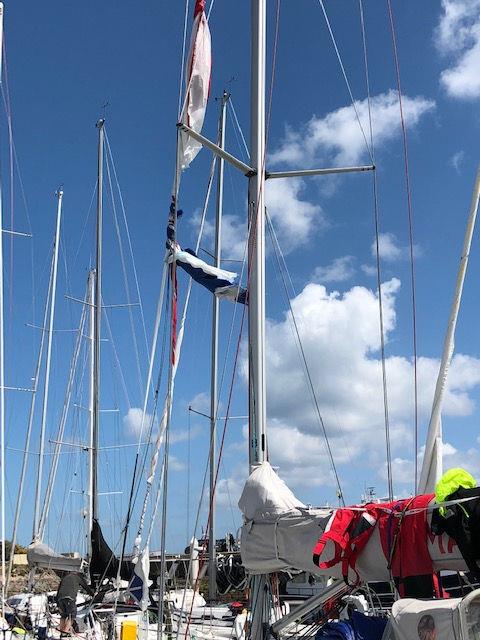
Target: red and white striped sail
199, 65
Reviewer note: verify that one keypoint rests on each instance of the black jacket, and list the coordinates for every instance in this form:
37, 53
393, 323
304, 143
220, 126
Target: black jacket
462, 523
70, 584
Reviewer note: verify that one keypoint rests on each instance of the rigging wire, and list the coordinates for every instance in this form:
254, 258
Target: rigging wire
6, 102
222, 380
376, 216
155, 402
11, 176
85, 224
189, 432
164, 427
182, 69
117, 359
210, 9
222, 443
344, 73
62, 423
250, 238
187, 296
410, 235
125, 278
305, 363
129, 239
237, 123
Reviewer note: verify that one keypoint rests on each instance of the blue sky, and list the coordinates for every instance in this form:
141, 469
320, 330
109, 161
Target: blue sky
66, 60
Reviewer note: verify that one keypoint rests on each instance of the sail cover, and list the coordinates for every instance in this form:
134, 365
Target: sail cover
266, 494
42, 556
279, 533
199, 65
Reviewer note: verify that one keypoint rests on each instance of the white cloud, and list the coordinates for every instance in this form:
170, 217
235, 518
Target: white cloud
340, 335
337, 137
201, 402
340, 270
402, 471
174, 464
182, 435
369, 270
234, 236
469, 459
458, 37
294, 218
390, 250
229, 490
133, 421
457, 160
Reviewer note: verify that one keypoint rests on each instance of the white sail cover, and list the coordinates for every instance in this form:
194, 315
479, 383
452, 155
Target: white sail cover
199, 65
42, 556
265, 494
279, 533
411, 619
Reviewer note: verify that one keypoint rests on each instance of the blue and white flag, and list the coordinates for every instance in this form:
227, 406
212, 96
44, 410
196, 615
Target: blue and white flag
218, 281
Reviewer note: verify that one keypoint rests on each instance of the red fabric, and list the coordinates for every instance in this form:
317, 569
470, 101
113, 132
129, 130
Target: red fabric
338, 534
349, 531
199, 7
407, 536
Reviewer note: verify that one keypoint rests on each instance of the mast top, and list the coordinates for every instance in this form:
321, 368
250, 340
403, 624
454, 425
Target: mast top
100, 123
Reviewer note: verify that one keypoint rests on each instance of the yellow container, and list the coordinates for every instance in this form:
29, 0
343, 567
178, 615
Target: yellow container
129, 630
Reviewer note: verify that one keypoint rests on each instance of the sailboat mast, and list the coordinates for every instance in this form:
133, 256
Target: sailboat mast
31, 415
97, 323
212, 555
256, 261
432, 459
91, 302
38, 491
256, 201
2, 367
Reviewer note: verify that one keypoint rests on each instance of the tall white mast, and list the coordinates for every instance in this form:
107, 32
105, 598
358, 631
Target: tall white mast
256, 256
212, 556
91, 301
432, 460
38, 492
2, 365
31, 415
256, 262
97, 324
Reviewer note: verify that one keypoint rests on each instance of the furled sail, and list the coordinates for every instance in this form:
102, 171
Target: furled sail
139, 583
199, 65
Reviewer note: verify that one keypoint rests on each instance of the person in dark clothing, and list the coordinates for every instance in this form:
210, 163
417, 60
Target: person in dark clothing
66, 598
